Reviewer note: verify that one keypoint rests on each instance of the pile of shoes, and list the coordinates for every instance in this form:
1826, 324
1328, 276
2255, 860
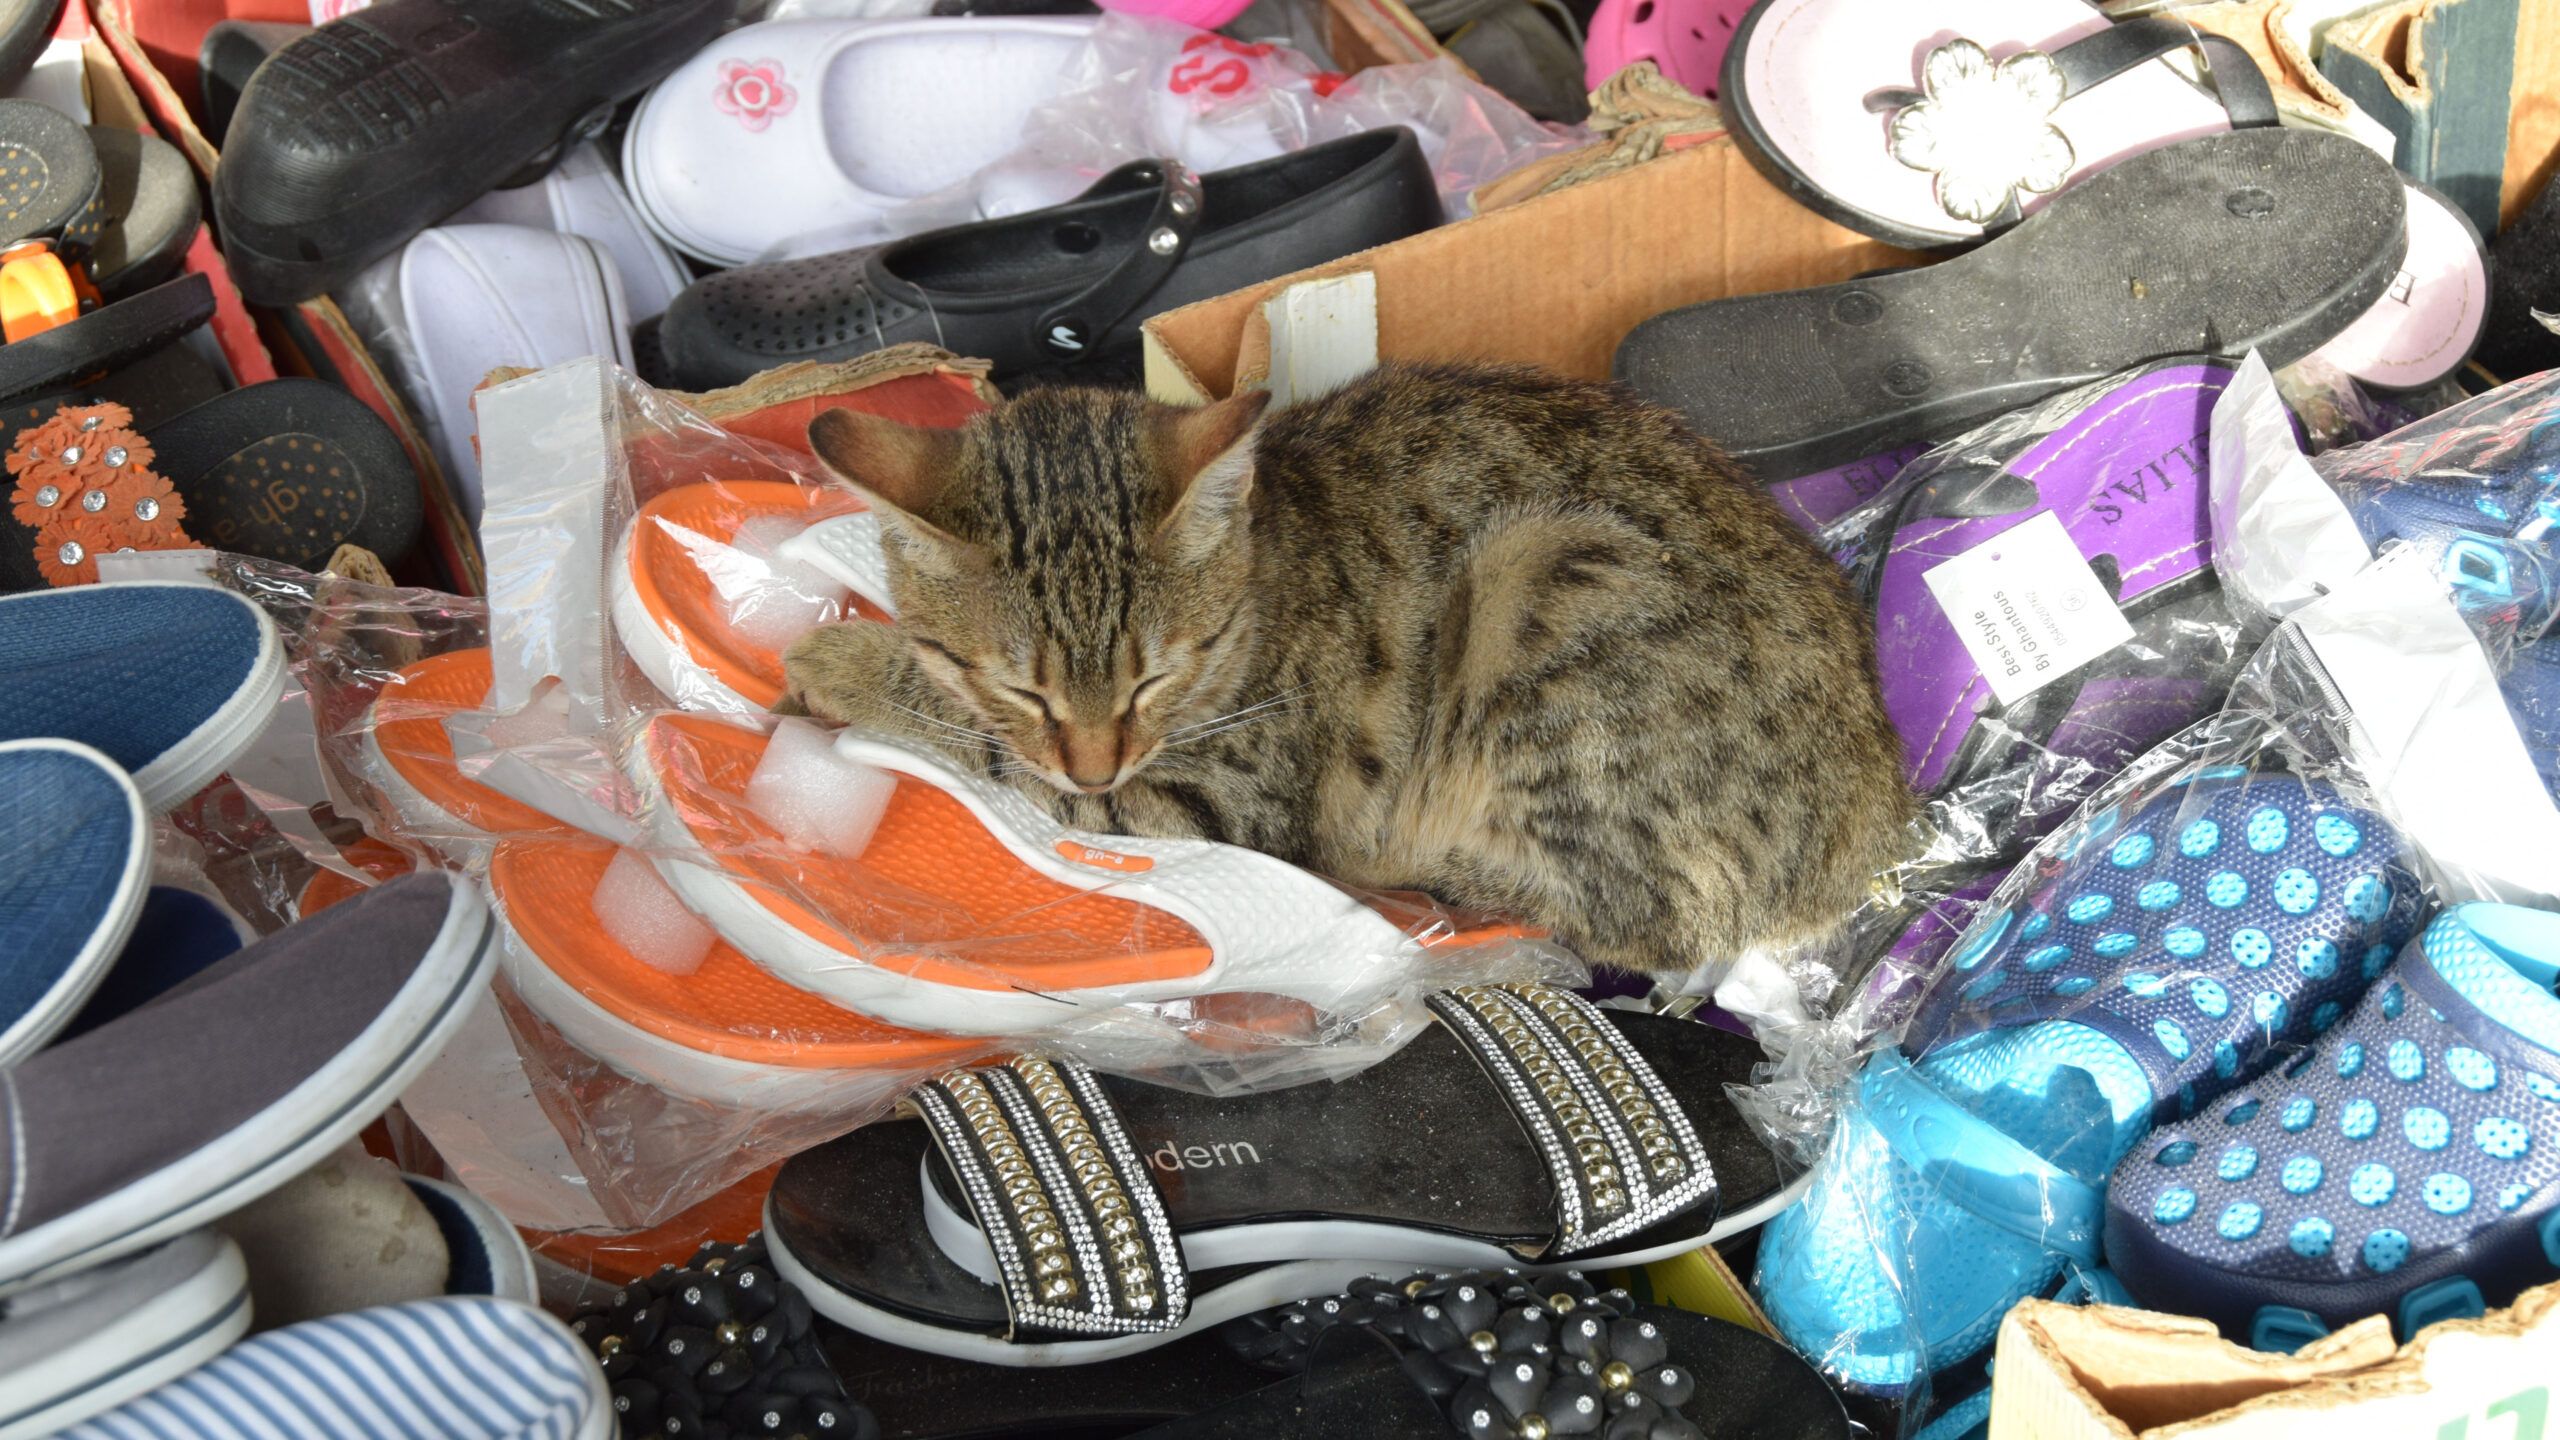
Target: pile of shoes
451, 1015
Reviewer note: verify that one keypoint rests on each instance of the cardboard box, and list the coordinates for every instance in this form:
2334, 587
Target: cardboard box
1556, 281
2067, 1373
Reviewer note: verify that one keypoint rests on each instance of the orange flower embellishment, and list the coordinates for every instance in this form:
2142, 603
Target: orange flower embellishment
67, 551
145, 508
42, 497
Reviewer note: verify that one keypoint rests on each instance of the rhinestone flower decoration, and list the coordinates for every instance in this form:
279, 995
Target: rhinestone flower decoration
85, 488
1985, 129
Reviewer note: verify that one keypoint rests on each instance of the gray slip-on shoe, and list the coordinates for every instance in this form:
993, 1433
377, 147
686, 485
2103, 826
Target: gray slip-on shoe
245, 1076
89, 1342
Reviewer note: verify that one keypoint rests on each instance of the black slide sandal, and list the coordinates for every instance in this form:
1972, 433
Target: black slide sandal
107, 338
355, 137
865, 1262
1361, 1168
290, 470
149, 191
1502, 1356
2265, 239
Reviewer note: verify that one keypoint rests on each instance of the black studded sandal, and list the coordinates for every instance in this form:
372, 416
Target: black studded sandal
1040, 1212
1498, 1355
1063, 287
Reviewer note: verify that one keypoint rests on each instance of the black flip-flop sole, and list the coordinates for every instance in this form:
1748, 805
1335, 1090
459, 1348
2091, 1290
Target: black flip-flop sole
49, 179
2272, 240
290, 470
149, 191
106, 338
1748, 1387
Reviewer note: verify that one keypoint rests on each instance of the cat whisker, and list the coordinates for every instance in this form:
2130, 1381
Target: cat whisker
1215, 728
939, 723
1256, 710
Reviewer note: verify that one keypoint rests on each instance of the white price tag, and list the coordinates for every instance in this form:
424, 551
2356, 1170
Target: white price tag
2028, 607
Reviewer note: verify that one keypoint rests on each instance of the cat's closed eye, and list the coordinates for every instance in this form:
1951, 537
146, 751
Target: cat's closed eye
1031, 700
1138, 694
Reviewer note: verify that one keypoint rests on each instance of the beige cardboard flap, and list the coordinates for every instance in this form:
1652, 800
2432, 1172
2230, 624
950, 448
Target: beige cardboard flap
2068, 1373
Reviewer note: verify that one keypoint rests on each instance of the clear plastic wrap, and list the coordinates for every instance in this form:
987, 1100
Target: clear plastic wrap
1143, 87
727, 937
2201, 916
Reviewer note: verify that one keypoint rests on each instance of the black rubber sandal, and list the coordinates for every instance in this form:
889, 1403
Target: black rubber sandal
355, 137
49, 180
2272, 240
1615, 1146
149, 191
290, 470
1061, 288
1503, 1356
107, 338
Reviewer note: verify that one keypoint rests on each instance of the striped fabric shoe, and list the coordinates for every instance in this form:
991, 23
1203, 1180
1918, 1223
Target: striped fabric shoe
449, 1369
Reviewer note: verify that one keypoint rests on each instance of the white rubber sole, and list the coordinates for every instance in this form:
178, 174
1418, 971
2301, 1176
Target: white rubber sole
511, 1274
313, 1119
1287, 1242
656, 1061
686, 683
60, 1005
1278, 1285
95, 1340
188, 766
422, 818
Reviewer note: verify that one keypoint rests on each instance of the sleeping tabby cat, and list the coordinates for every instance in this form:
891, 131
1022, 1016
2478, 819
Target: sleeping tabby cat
1512, 639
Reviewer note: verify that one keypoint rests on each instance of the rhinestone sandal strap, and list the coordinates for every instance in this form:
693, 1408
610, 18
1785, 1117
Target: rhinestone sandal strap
1623, 1156
1081, 1242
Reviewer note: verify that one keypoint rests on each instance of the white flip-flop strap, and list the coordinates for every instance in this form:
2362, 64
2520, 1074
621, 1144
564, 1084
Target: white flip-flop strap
1270, 927
846, 550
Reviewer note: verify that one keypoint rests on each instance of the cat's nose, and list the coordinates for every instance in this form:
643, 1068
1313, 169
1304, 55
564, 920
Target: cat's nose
1091, 758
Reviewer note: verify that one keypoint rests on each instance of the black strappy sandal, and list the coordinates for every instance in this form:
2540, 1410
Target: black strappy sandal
1039, 1211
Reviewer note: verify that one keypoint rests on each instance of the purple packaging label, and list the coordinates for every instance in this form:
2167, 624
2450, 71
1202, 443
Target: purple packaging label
2125, 475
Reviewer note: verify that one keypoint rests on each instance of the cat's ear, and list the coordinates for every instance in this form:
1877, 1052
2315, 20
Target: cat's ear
895, 466
1209, 451
900, 470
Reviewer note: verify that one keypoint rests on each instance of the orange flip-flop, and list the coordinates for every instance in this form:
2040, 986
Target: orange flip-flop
668, 608
409, 758
728, 1033
971, 912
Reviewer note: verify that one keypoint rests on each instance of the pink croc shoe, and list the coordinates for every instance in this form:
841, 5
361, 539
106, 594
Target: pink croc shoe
1685, 39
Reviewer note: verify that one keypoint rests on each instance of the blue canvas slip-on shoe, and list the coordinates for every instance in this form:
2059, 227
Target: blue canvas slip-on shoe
171, 681
224, 1088
446, 1369
2408, 1165
91, 1341
75, 863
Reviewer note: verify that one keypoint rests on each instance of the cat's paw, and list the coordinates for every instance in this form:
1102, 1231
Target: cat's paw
845, 673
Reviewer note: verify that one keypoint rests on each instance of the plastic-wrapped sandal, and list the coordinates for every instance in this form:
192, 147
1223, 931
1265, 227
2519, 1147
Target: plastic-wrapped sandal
1059, 923
711, 582
2407, 1165
724, 1032
2182, 944
407, 756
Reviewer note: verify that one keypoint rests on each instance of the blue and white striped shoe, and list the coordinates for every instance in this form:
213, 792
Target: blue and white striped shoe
448, 1369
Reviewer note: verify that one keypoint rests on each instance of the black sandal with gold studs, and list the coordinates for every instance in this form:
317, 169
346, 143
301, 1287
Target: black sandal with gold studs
1040, 1212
